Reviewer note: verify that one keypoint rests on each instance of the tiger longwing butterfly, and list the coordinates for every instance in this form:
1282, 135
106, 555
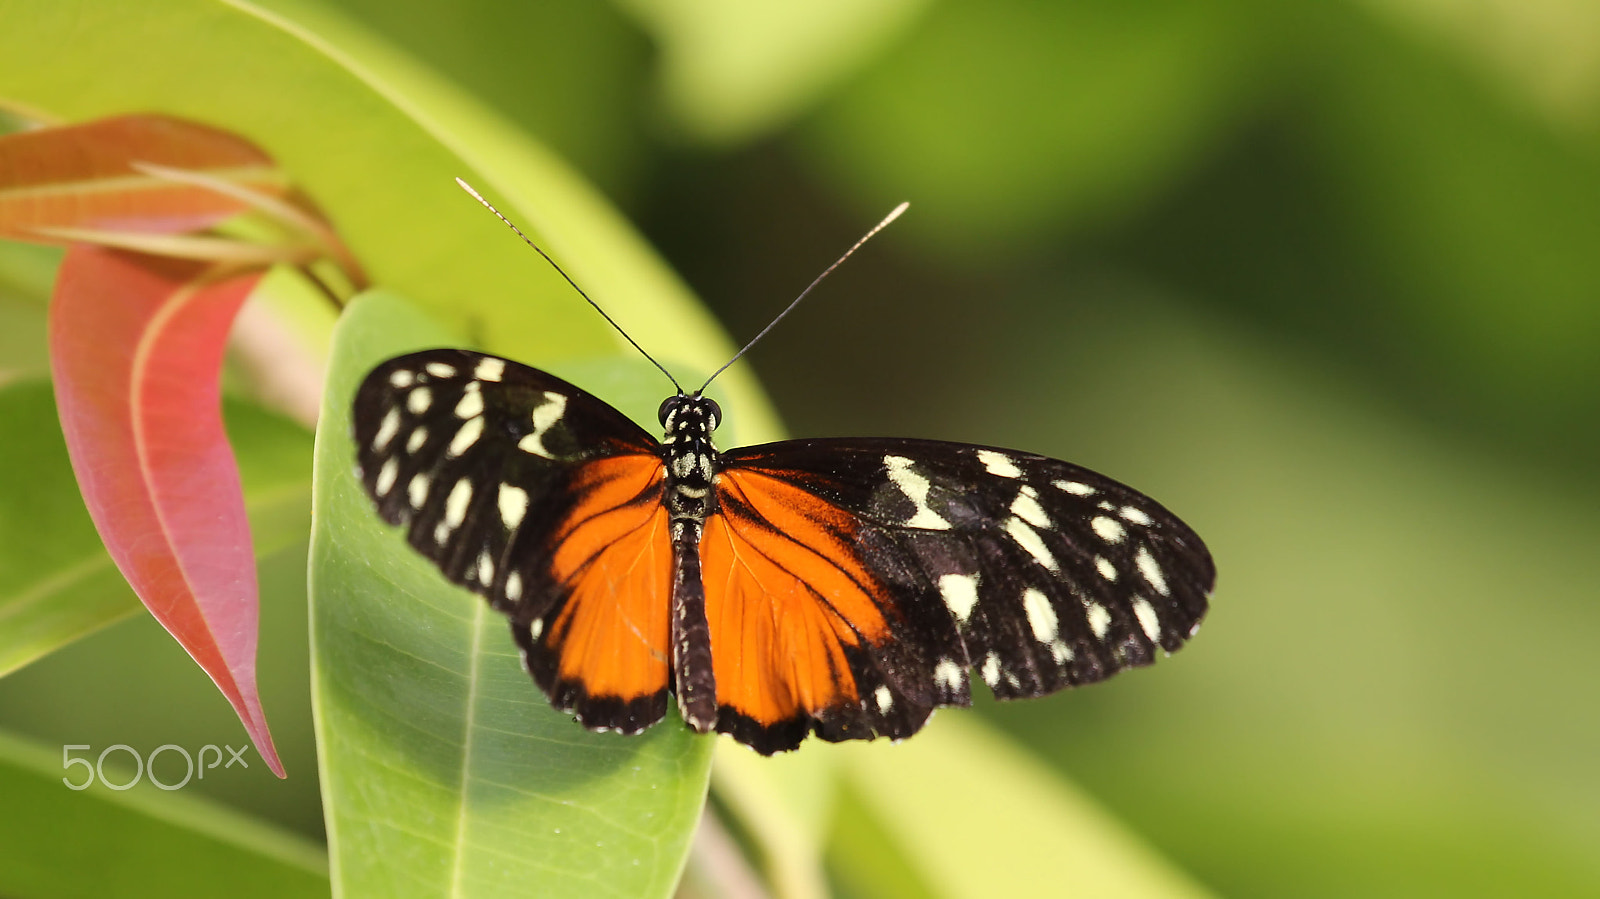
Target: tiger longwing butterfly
842, 587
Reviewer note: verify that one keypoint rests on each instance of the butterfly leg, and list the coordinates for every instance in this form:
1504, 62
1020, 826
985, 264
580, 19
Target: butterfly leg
691, 634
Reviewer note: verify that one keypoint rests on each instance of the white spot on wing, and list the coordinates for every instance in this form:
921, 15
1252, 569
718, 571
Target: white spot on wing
489, 369
1041, 616
416, 440
1029, 539
418, 400
1149, 622
536, 628
948, 674
991, 671
417, 490
386, 476
1099, 619
485, 568
544, 417
386, 430
999, 464
1107, 570
455, 507
1074, 488
513, 505
471, 404
514, 587
960, 593
441, 370
402, 378
467, 436
1150, 570
884, 699
1135, 515
1108, 529
1026, 507
1061, 652
915, 487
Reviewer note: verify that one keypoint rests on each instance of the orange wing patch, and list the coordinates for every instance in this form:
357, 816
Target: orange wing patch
784, 597
615, 556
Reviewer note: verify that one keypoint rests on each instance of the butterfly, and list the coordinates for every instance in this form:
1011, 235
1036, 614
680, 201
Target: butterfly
841, 587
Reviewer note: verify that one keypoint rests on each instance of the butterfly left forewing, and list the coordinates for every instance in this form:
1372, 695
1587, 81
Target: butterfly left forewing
1036, 573
545, 500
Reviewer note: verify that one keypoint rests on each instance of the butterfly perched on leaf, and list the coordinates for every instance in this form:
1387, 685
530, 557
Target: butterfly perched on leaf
842, 587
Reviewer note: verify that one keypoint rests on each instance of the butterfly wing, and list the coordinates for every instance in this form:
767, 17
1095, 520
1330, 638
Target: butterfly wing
543, 499
852, 584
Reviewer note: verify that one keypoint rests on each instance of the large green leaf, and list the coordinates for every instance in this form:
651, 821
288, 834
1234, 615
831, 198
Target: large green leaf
376, 141
138, 842
444, 769
56, 581
785, 805
977, 817
498, 50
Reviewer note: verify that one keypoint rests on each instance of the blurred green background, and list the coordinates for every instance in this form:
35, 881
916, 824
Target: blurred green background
1322, 277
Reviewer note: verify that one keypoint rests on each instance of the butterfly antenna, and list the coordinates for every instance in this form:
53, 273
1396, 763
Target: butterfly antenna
894, 214
529, 241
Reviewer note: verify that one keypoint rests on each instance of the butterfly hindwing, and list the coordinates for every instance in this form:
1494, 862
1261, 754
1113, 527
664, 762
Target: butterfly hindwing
1036, 573
545, 500
800, 627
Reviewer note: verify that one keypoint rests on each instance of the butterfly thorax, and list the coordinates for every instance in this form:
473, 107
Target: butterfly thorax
691, 460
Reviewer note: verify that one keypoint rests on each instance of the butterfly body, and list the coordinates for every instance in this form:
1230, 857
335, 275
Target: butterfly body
690, 462
843, 587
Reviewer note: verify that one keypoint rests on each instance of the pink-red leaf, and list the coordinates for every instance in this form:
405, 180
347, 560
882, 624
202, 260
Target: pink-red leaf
136, 345
88, 176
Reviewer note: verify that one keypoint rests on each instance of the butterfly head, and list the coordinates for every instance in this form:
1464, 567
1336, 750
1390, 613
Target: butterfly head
689, 415
689, 419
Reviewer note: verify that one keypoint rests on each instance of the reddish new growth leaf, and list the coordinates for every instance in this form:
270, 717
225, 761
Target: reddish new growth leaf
136, 348
136, 343
83, 177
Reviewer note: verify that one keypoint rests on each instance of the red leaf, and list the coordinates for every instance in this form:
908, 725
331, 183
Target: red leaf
81, 176
136, 346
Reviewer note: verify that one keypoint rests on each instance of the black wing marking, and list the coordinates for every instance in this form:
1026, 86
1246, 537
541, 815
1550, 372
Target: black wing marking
1037, 573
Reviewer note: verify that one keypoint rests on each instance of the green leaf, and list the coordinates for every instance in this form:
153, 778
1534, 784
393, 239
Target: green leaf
56, 581
26, 273
497, 50
444, 769
959, 793
784, 804
377, 142
733, 71
140, 842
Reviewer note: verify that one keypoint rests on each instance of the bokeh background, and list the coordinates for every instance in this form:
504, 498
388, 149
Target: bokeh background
1322, 277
